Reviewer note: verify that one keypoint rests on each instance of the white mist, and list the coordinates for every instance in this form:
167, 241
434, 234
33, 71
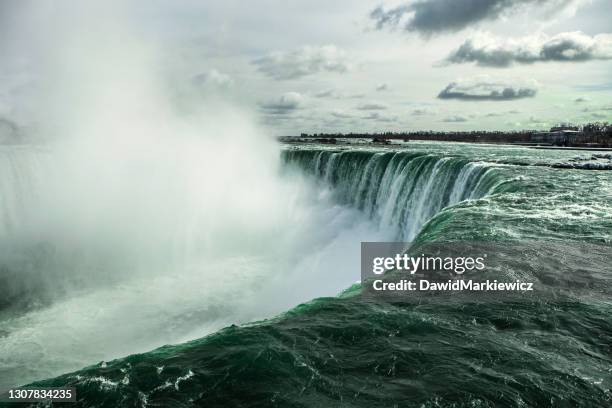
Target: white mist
140, 224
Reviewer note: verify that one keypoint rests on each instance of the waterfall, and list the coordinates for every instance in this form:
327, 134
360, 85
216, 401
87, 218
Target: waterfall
400, 190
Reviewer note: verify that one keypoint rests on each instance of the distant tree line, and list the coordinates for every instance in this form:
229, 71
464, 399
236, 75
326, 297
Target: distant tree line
595, 133
590, 133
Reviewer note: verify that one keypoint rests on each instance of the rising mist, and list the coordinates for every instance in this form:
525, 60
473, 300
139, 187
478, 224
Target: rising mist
138, 212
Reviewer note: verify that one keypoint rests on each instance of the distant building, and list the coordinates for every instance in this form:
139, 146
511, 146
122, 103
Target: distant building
558, 136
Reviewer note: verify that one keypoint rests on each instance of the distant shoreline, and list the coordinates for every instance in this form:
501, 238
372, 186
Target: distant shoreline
345, 140
587, 136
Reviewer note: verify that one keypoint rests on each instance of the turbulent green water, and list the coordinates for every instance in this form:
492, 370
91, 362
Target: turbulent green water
550, 348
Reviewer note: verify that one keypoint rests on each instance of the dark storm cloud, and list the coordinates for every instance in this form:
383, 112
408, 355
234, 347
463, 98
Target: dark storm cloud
488, 90
434, 16
564, 47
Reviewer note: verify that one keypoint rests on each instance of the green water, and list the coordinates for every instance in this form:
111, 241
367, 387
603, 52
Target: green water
547, 349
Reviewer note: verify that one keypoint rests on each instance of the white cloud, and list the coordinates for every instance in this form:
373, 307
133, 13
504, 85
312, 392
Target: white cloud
372, 106
487, 50
484, 88
382, 87
303, 61
377, 116
455, 119
285, 104
213, 77
334, 94
422, 112
328, 93
506, 113
340, 114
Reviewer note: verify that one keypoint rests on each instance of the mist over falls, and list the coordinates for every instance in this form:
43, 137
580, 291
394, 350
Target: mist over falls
144, 214
118, 244
110, 253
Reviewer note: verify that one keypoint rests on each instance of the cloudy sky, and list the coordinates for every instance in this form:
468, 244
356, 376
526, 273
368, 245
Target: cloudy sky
356, 65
